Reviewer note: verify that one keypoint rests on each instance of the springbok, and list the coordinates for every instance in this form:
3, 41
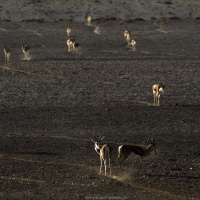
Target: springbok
89, 20
68, 31
7, 54
127, 36
133, 43
70, 43
25, 49
126, 33
157, 90
125, 150
105, 152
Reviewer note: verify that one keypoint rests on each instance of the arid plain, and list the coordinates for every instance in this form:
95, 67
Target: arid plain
53, 104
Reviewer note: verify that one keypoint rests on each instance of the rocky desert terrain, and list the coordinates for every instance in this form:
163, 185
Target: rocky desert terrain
52, 105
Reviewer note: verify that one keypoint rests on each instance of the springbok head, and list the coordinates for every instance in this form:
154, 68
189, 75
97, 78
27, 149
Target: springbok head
97, 141
161, 87
126, 32
151, 143
68, 30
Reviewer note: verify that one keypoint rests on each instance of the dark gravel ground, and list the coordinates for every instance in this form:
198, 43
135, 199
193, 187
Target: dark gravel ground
52, 105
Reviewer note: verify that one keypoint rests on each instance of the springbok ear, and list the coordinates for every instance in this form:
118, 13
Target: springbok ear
163, 85
146, 141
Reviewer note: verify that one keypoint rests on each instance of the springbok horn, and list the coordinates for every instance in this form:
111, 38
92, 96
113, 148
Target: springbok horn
92, 140
101, 138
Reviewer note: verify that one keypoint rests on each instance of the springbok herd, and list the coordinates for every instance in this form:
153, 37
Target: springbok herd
105, 150
74, 47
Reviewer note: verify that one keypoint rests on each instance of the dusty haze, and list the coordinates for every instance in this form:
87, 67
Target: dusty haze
78, 9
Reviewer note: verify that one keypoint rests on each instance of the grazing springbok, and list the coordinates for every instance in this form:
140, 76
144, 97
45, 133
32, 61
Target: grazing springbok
125, 150
68, 31
70, 43
25, 49
157, 90
105, 152
89, 20
7, 54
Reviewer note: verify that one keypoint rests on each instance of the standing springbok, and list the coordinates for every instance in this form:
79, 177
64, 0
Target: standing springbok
70, 43
89, 20
126, 32
125, 150
25, 49
68, 31
133, 43
7, 54
157, 90
127, 36
105, 152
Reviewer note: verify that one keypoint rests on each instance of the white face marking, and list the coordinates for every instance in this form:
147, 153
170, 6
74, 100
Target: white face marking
97, 145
